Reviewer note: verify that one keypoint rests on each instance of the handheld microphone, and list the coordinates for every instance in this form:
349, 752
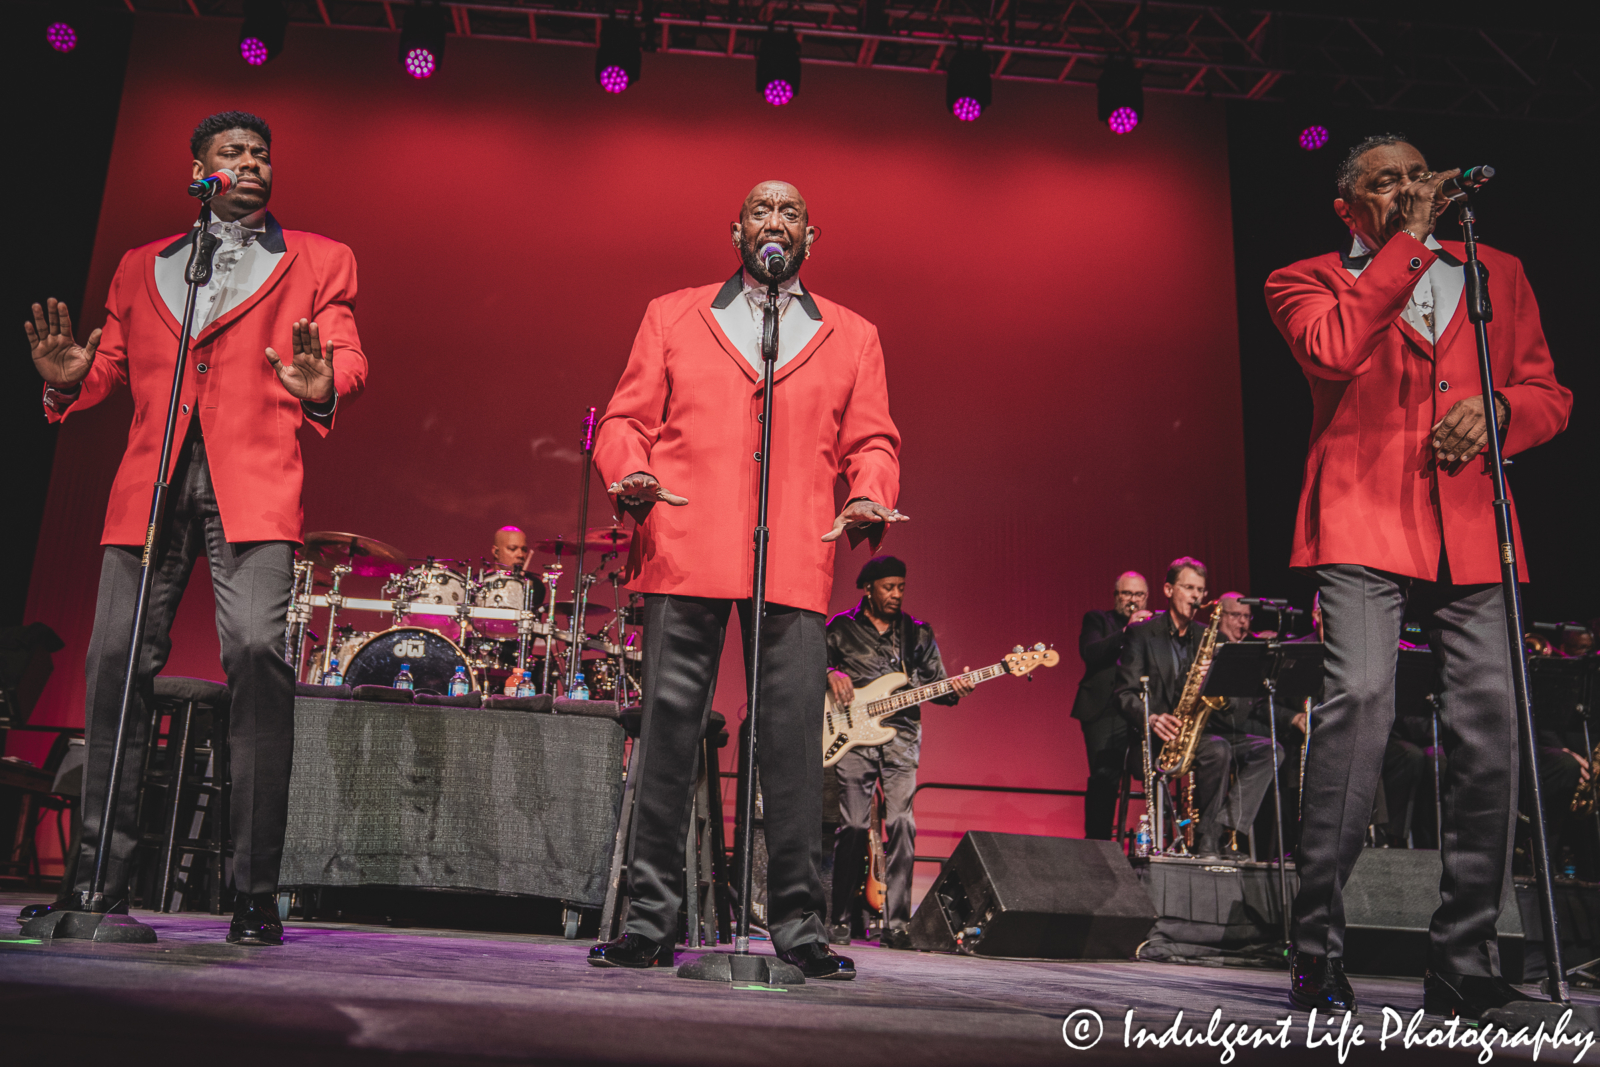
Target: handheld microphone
773, 258
214, 185
1469, 180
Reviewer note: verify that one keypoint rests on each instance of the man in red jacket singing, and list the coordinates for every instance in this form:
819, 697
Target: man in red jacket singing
683, 430
235, 485
1396, 516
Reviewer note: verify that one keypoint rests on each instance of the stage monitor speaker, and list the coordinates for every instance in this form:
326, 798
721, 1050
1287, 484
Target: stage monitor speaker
1388, 903
1013, 895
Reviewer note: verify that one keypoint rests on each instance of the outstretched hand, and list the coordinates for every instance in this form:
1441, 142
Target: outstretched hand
641, 489
59, 359
308, 375
862, 513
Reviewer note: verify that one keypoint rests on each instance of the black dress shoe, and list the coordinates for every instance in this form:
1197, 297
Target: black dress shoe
256, 921
896, 937
1207, 846
630, 950
839, 935
1319, 982
67, 903
817, 960
1467, 996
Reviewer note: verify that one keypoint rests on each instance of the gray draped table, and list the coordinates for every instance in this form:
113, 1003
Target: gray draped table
453, 798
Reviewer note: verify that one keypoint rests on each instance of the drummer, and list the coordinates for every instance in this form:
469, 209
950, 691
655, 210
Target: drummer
510, 549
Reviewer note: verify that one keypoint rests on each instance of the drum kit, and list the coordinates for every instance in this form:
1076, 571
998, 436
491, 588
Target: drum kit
503, 628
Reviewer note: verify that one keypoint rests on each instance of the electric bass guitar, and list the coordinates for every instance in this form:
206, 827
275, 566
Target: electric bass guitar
861, 724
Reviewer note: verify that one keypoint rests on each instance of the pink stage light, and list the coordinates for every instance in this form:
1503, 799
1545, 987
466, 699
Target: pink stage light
420, 63
254, 51
61, 37
1123, 120
1313, 137
615, 80
778, 92
966, 109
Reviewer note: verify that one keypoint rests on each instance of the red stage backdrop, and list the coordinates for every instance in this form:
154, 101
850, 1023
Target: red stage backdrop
1056, 305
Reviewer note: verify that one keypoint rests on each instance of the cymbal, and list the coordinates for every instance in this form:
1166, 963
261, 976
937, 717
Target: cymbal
591, 611
364, 555
598, 539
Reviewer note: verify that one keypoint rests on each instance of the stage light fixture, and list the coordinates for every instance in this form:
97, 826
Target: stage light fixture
261, 35
616, 64
1313, 137
1120, 95
62, 37
778, 67
422, 39
966, 83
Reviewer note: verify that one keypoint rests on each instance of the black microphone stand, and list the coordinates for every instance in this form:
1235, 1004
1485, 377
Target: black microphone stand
741, 965
580, 582
1479, 312
91, 919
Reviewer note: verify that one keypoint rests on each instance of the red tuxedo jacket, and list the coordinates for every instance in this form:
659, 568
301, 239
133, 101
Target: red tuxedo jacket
686, 412
249, 420
1372, 494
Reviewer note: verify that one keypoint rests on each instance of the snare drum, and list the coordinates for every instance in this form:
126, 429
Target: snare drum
433, 658
431, 584
506, 590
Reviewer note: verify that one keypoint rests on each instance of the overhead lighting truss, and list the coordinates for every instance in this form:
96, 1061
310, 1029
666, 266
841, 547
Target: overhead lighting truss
1189, 49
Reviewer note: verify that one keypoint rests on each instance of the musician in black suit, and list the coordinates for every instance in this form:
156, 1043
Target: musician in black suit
1105, 733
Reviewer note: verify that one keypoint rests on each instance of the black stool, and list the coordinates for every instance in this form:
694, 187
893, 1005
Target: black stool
187, 765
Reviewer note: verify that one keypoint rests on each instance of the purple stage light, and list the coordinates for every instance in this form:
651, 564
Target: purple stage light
1123, 120
778, 92
61, 37
420, 63
966, 109
615, 80
254, 51
1313, 137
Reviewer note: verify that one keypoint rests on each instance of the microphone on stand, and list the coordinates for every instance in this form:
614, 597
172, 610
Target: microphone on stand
214, 185
1469, 180
773, 258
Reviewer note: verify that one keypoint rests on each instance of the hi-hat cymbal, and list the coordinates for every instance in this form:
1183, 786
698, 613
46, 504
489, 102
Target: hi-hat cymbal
599, 539
364, 555
591, 611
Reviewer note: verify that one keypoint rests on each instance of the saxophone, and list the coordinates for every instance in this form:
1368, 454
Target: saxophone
1584, 799
1193, 709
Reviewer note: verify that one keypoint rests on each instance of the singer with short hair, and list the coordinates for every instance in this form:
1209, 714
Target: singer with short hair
1396, 516
235, 497
679, 445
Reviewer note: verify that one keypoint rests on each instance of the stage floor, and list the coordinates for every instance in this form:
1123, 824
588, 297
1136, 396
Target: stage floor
348, 994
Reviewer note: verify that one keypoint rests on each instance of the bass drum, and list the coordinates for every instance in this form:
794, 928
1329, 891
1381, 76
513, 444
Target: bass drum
433, 658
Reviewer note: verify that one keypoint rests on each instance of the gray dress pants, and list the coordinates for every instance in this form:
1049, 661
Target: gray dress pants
1362, 611
252, 584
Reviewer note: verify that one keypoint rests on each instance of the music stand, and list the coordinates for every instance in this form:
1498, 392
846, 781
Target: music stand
1247, 669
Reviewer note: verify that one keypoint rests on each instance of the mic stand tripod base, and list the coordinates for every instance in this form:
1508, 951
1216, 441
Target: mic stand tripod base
63, 925
741, 968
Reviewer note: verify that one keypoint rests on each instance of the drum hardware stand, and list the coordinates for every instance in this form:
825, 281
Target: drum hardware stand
335, 601
740, 965
552, 579
91, 918
580, 586
294, 634
1479, 313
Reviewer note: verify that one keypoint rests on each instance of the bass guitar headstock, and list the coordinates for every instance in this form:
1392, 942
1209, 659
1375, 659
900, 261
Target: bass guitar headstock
1021, 661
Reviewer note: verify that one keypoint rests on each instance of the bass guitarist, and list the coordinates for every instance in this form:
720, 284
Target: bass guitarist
866, 642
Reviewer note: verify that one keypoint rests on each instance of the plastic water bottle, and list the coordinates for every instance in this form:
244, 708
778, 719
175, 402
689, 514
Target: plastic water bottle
460, 686
580, 687
525, 685
334, 675
1141, 840
403, 680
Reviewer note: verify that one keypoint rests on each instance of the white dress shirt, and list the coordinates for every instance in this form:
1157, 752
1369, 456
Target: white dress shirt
1434, 298
741, 320
239, 267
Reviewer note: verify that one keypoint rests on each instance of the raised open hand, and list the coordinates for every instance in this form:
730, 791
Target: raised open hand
309, 374
862, 513
59, 359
